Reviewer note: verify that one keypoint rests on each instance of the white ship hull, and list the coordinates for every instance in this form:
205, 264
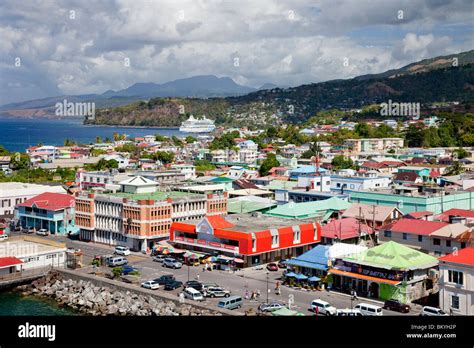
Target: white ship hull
196, 129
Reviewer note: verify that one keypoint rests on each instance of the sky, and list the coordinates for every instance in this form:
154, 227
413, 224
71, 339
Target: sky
50, 48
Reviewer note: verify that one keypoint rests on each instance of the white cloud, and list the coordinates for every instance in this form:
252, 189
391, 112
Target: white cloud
285, 42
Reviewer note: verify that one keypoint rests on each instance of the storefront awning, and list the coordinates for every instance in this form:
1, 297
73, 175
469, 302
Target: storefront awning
314, 279
364, 277
300, 263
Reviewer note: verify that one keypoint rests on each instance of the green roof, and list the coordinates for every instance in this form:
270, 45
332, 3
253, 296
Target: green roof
281, 185
157, 196
221, 179
395, 256
308, 209
237, 207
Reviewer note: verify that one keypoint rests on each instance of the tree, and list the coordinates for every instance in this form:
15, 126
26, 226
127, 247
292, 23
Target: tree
414, 136
363, 130
98, 140
268, 164
271, 132
461, 153
190, 139
204, 165
455, 169
116, 136
177, 141
342, 162
107, 140
164, 157
160, 138
69, 142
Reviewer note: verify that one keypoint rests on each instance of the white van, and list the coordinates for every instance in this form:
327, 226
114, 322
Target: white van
121, 250
348, 313
369, 309
3, 237
232, 302
323, 307
193, 294
432, 311
117, 261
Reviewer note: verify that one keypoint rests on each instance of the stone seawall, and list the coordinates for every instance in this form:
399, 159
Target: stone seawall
100, 296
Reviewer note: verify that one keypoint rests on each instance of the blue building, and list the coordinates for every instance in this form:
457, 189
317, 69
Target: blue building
51, 211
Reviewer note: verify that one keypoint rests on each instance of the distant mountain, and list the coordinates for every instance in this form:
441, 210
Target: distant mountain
203, 86
267, 86
431, 80
425, 65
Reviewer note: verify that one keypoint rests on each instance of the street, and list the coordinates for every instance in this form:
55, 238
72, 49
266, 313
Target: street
238, 283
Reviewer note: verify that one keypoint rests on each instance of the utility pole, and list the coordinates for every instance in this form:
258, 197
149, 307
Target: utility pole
267, 288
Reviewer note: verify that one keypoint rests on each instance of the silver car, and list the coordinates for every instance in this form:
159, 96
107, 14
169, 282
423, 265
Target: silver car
172, 263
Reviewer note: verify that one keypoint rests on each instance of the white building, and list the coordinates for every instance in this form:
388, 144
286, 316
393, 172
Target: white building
34, 252
367, 181
138, 184
13, 193
189, 170
456, 283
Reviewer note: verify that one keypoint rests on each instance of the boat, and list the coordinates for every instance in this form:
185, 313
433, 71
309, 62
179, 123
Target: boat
196, 125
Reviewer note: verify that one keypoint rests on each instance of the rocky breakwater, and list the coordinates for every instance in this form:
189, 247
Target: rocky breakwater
90, 299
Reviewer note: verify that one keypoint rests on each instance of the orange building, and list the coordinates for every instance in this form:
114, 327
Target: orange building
140, 220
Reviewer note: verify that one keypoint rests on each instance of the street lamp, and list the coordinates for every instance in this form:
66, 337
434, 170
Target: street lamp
267, 286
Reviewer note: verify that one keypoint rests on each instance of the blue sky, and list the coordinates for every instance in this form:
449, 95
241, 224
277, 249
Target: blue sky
79, 47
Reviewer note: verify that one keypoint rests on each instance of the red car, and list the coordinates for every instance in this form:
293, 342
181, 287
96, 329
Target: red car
272, 267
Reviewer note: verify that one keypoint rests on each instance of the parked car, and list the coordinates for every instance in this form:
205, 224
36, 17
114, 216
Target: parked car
150, 284
368, 309
193, 294
216, 292
282, 263
395, 305
323, 307
348, 313
270, 307
433, 311
117, 261
164, 279
128, 269
206, 285
121, 250
42, 232
28, 229
159, 258
172, 263
3, 237
232, 302
193, 284
173, 284
272, 267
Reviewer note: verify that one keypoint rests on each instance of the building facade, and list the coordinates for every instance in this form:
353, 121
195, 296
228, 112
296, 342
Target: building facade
456, 283
255, 241
140, 220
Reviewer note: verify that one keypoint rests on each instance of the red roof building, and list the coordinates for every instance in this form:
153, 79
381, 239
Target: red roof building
413, 226
465, 213
463, 257
255, 240
344, 229
9, 262
49, 201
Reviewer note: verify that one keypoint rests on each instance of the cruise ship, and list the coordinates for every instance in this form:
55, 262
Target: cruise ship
196, 125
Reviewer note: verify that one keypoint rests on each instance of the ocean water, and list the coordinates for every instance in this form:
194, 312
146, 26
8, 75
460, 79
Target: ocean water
17, 134
14, 304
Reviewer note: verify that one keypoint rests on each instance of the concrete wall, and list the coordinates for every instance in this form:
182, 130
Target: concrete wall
117, 285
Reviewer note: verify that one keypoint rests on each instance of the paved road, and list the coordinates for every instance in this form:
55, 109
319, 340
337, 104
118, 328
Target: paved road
237, 283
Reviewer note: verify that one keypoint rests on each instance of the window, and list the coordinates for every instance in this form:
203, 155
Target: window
455, 302
338, 185
274, 241
387, 234
455, 277
448, 243
405, 236
420, 238
296, 236
436, 241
